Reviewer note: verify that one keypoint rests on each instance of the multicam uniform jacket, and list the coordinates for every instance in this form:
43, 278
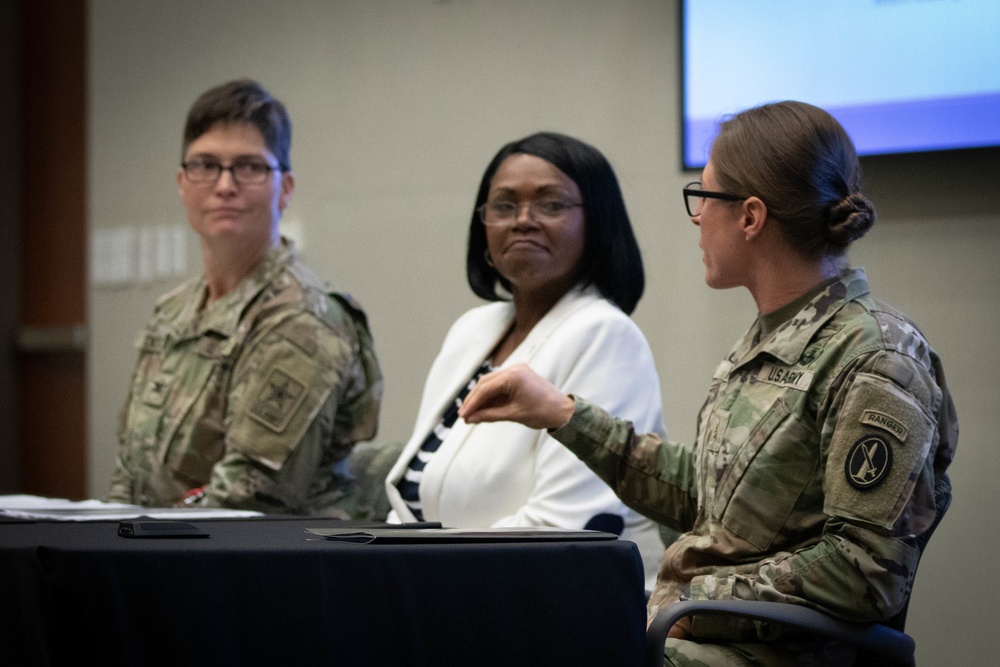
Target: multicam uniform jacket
819, 452
254, 399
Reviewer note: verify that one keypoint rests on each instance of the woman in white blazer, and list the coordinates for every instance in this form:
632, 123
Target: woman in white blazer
550, 230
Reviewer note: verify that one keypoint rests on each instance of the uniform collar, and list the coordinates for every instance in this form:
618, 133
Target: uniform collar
223, 316
789, 340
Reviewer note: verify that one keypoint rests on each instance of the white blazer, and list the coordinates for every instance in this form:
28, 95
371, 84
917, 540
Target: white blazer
505, 474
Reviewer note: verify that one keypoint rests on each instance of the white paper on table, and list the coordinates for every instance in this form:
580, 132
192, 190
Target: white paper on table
60, 509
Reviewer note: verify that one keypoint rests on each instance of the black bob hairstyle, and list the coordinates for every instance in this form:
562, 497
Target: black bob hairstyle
611, 260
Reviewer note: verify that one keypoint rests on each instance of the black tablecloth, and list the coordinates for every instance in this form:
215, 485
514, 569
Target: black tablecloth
261, 592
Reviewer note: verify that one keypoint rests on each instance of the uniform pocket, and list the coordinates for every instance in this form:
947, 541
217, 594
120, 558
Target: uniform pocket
767, 475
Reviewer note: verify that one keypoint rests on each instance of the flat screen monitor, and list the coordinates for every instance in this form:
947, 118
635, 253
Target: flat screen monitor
900, 75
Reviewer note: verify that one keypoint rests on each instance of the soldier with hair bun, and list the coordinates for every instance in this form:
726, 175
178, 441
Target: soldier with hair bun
822, 446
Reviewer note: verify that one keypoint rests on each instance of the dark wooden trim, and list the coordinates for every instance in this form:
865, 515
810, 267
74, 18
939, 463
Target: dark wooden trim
53, 250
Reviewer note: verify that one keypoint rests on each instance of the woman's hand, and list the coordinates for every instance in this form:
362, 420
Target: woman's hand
517, 394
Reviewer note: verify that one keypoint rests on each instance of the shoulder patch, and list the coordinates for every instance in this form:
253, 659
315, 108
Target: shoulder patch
868, 462
871, 471
277, 400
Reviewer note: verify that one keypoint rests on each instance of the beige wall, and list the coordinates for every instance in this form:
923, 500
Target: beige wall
398, 105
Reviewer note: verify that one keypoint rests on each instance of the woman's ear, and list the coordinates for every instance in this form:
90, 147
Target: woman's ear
287, 188
754, 217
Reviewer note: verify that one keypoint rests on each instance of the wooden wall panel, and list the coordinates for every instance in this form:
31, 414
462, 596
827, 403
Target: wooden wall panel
53, 250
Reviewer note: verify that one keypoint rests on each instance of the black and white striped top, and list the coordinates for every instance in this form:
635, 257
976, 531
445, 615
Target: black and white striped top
409, 485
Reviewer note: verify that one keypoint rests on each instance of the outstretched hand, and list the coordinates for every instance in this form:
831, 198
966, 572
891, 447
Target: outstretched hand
517, 394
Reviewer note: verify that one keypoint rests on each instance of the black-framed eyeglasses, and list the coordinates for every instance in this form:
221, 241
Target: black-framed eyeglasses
695, 196
244, 171
548, 210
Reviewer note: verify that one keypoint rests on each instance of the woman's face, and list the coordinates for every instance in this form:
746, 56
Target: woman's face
226, 210
723, 241
536, 256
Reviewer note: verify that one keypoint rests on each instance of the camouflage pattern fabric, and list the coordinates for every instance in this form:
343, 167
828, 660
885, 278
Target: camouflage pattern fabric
259, 397
786, 653
818, 449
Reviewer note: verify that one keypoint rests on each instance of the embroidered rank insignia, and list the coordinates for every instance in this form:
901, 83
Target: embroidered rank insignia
157, 389
277, 400
868, 463
151, 343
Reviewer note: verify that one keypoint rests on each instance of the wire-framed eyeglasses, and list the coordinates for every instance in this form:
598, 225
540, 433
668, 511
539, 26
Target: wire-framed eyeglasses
505, 212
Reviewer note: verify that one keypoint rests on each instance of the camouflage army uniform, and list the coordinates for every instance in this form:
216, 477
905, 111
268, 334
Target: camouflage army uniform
818, 452
258, 397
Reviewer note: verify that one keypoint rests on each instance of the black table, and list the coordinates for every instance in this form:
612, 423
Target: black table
259, 592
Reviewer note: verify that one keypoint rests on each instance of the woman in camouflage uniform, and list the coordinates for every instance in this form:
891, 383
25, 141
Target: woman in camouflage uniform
828, 427
255, 379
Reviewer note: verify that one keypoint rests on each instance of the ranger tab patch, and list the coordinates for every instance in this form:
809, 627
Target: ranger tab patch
886, 422
277, 400
868, 463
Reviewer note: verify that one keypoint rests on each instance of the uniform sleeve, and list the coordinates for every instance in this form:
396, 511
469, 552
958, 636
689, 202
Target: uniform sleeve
611, 363
652, 476
880, 435
120, 488
300, 398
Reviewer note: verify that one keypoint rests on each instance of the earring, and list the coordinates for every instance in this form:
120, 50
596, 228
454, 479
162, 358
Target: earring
748, 237
489, 259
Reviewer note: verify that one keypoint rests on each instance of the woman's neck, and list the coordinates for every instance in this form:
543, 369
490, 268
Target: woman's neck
529, 309
227, 265
787, 277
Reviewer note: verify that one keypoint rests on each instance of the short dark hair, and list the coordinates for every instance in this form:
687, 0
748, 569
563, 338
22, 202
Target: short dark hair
242, 101
802, 164
611, 260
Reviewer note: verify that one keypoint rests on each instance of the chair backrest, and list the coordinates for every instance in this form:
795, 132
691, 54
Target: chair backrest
370, 463
879, 644
942, 501
605, 522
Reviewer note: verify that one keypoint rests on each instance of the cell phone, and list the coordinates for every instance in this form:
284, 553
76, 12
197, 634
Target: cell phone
159, 529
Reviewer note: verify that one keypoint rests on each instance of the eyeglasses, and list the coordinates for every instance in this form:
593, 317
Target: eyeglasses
694, 197
540, 210
244, 171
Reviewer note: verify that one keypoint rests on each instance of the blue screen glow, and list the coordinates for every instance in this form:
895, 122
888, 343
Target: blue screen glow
900, 75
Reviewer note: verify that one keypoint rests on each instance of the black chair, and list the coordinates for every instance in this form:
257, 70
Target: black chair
369, 464
876, 643
606, 523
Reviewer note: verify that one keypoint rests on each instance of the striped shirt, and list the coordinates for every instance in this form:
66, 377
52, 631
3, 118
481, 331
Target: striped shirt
409, 485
